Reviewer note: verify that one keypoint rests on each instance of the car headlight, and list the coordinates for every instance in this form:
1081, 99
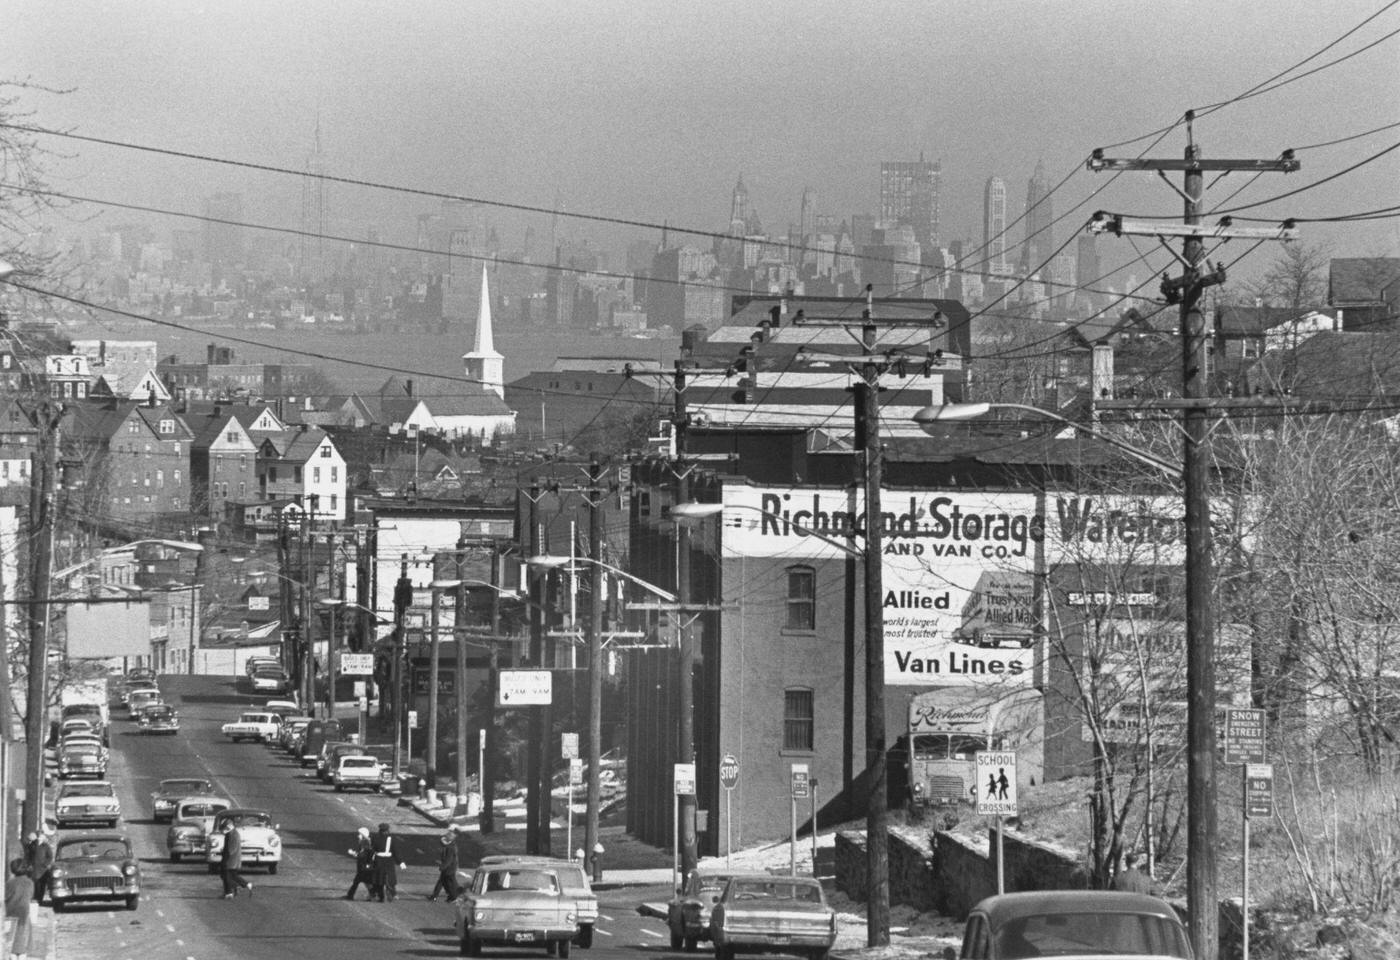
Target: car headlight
129, 870
274, 841
571, 917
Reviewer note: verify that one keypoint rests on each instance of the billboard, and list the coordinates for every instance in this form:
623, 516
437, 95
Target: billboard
101, 630
958, 571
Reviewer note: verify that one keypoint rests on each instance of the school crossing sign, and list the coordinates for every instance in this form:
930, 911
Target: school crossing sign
996, 784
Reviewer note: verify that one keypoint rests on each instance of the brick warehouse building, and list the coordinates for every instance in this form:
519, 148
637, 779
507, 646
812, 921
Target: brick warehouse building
780, 665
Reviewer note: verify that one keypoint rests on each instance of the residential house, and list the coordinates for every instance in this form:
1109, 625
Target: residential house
134, 459
304, 465
1364, 290
224, 455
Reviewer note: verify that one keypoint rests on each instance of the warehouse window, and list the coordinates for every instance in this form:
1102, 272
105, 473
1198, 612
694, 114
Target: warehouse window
798, 719
801, 598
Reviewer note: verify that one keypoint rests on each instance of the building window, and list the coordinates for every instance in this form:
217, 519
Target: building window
160, 478
167, 426
242, 489
218, 464
316, 475
243, 461
335, 506
326, 452
798, 719
176, 476
131, 426
335, 474
801, 599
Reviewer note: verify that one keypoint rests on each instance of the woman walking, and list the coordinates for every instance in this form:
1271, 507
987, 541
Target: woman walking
363, 852
19, 895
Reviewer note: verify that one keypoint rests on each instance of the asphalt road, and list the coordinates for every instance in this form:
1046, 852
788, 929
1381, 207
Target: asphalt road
299, 912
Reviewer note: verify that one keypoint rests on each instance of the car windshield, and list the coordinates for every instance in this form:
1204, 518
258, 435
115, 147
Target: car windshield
161, 710
82, 748
88, 790
359, 762
247, 820
184, 786
188, 811
774, 890
1120, 934
101, 849
708, 884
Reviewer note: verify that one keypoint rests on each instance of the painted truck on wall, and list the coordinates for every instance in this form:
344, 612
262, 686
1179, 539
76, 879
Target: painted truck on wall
999, 611
949, 726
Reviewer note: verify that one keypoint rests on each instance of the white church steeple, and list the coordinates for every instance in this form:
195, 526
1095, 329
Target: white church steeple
483, 364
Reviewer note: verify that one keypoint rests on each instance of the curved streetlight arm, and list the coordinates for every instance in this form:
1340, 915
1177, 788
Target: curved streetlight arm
928, 416
548, 562
696, 511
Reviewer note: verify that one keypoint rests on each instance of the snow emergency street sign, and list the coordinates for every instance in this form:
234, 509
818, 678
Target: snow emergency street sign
996, 784
801, 782
1244, 736
356, 664
525, 688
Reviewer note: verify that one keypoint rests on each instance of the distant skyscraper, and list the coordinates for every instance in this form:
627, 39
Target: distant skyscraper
1040, 235
739, 209
994, 227
909, 195
311, 250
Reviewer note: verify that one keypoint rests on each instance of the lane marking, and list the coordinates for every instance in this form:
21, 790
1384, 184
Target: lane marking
601, 933
170, 929
651, 933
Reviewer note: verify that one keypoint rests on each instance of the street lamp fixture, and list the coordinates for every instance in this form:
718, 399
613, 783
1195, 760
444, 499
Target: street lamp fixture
550, 562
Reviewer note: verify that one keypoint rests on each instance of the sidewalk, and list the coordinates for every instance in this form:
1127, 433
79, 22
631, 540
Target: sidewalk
638, 864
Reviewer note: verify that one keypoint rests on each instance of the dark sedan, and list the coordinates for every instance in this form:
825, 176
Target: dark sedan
1073, 923
95, 866
172, 791
688, 913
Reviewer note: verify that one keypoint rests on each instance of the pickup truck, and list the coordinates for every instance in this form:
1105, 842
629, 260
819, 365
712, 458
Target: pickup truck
253, 726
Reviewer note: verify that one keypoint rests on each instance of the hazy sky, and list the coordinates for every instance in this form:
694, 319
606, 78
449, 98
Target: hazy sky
650, 110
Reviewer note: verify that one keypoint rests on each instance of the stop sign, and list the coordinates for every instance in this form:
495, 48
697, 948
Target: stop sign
729, 771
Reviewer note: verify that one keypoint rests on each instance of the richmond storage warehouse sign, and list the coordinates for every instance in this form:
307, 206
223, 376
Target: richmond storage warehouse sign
958, 568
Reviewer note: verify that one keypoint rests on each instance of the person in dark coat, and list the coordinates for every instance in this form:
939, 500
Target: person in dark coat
363, 852
39, 851
231, 861
19, 894
1132, 878
447, 867
386, 865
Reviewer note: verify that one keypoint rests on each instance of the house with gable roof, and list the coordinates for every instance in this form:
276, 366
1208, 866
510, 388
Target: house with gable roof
303, 465
224, 455
134, 458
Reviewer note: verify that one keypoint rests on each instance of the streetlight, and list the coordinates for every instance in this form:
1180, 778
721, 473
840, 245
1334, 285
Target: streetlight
926, 417
595, 700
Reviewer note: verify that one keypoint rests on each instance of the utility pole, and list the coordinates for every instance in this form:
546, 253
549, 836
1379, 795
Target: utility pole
686, 644
486, 776
43, 515
403, 599
595, 663
434, 671
459, 635
307, 676
333, 638
536, 800
877, 854
1201, 827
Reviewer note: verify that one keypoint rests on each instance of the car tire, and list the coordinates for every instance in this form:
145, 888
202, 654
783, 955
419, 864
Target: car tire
470, 946
340, 788
132, 901
564, 946
213, 868
112, 823
272, 867
689, 944
585, 936
58, 905
675, 940
724, 953
821, 954
174, 857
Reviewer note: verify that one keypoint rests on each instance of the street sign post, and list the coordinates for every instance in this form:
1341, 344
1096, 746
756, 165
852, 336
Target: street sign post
568, 745
729, 779
1258, 802
996, 796
800, 789
525, 688
356, 664
683, 782
1244, 735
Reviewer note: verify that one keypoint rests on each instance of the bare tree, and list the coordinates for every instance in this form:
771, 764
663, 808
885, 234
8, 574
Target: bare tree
1297, 278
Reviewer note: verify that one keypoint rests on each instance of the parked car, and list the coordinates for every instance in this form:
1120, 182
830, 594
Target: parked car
256, 663
76, 726
262, 844
331, 754
688, 913
358, 771
87, 802
283, 708
317, 733
291, 726
95, 866
82, 758
516, 905
159, 718
1104, 924
139, 699
169, 792
768, 914
190, 824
